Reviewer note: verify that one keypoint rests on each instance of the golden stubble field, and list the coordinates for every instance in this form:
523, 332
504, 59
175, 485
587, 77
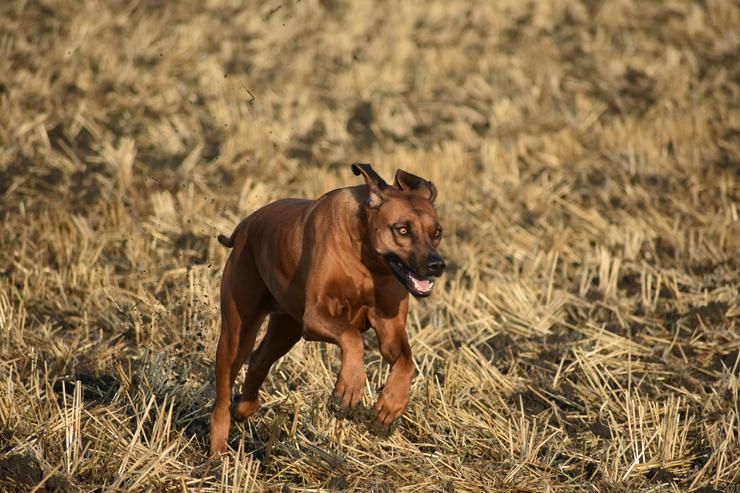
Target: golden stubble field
584, 337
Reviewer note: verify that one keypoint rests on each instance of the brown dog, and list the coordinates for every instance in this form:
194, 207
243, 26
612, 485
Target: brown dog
327, 270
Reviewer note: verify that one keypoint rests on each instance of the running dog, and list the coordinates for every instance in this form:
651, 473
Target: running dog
327, 270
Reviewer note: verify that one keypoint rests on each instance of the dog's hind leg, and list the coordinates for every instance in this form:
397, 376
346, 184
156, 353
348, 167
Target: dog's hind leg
282, 334
242, 311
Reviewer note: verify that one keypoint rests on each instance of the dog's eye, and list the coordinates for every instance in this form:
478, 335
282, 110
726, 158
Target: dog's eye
402, 230
438, 232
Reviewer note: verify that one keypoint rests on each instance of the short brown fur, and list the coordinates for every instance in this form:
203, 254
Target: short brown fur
321, 269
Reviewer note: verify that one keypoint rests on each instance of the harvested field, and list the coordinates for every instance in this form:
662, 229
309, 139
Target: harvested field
584, 338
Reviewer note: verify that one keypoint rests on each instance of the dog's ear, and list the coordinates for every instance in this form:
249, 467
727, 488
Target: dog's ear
375, 184
411, 183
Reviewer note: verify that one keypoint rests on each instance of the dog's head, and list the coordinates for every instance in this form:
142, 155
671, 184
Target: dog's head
403, 227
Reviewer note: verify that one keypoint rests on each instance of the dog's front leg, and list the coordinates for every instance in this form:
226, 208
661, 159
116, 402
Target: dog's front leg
394, 346
318, 325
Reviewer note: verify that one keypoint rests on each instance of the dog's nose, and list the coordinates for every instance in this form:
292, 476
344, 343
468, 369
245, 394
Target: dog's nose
435, 265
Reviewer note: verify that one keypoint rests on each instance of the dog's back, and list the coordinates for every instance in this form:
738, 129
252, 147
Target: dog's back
276, 237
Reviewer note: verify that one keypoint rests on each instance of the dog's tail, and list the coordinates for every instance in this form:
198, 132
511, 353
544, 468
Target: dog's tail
227, 241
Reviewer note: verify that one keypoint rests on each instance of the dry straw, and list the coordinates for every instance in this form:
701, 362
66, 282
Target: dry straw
584, 337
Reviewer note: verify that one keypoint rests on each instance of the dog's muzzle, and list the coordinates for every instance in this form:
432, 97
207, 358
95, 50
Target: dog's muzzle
417, 284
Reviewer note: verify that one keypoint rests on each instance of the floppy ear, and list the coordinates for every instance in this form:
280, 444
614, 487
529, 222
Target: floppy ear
412, 183
375, 184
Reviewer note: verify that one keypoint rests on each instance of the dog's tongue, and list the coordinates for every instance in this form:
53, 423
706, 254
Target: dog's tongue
421, 285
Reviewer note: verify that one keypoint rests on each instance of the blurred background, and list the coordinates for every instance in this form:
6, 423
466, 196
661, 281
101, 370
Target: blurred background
586, 156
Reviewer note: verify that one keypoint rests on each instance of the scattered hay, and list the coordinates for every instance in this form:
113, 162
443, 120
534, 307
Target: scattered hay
584, 337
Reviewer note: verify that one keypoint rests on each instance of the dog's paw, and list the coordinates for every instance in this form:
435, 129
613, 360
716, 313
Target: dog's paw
220, 422
387, 411
245, 408
350, 388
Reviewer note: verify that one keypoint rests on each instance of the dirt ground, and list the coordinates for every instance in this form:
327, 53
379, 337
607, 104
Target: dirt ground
584, 338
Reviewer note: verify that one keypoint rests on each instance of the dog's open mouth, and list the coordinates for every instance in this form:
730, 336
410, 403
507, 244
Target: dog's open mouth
417, 285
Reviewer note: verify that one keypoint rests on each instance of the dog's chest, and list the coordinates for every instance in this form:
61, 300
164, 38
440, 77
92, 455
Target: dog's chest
352, 304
